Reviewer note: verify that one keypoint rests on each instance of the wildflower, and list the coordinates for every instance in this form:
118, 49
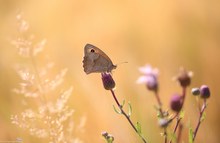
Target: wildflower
108, 81
184, 77
176, 102
149, 78
204, 91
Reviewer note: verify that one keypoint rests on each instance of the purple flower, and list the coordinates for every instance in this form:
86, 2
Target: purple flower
204, 91
149, 78
108, 81
176, 102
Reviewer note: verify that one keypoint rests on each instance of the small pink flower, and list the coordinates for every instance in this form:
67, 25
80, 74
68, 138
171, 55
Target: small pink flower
149, 78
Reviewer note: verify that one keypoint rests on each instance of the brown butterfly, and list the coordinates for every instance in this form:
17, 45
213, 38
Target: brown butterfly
95, 60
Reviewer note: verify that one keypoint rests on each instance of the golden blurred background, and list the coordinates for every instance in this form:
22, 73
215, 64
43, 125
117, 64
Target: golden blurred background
166, 34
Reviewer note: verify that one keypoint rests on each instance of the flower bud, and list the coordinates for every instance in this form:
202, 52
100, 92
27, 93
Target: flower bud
176, 102
195, 91
184, 78
204, 91
104, 134
152, 83
108, 81
108, 137
163, 122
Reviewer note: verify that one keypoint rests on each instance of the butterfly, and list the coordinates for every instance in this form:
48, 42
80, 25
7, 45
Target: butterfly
96, 61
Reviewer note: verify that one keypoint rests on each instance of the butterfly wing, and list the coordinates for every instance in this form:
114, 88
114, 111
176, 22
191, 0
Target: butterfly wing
95, 60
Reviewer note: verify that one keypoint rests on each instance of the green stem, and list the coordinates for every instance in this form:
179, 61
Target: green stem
126, 116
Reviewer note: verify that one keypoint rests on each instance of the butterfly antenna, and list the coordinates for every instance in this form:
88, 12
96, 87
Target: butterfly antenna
121, 63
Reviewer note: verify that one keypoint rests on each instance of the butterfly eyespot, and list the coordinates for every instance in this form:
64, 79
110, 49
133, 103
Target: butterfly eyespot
92, 50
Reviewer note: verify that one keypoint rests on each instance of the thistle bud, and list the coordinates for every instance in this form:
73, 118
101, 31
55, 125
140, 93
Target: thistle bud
163, 122
204, 91
108, 81
152, 83
176, 102
150, 77
195, 91
108, 137
184, 77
